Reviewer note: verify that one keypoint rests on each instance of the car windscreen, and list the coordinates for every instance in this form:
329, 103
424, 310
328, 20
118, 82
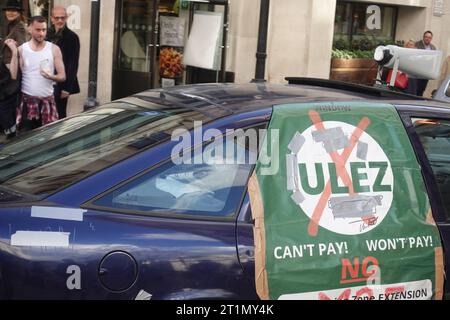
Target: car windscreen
56, 156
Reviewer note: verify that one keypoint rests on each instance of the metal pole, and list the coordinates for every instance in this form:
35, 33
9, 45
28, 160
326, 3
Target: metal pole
261, 53
92, 101
224, 44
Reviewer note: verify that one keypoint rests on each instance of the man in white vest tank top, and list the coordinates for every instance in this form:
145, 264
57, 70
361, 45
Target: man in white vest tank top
42, 65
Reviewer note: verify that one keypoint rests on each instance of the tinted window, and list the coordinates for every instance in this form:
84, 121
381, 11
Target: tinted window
435, 138
208, 183
51, 158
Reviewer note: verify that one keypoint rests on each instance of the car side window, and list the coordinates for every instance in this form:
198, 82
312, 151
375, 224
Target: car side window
207, 183
435, 138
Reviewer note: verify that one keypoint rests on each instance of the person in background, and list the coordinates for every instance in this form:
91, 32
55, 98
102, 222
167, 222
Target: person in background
15, 28
10, 85
411, 44
39, 59
412, 82
69, 43
424, 44
14, 62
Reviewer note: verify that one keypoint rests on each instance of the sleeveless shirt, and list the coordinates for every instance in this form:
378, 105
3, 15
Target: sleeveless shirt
33, 83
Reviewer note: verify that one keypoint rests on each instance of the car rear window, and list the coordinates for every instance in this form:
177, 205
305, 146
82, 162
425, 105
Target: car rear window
434, 135
45, 161
209, 182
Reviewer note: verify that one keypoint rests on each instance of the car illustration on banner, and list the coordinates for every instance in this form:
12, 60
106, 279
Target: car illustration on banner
313, 148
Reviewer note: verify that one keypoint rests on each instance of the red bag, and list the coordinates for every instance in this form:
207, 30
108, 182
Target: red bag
401, 81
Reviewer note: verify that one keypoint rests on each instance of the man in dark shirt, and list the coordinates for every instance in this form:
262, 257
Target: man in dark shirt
69, 43
424, 44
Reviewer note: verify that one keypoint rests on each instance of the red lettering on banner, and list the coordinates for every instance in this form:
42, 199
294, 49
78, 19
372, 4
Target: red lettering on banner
344, 295
351, 273
391, 291
347, 267
365, 265
364, 291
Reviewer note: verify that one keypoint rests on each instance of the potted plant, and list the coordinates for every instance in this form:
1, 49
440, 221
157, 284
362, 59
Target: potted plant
353, 62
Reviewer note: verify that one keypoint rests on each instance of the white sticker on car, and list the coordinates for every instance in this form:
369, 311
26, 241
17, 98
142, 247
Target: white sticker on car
40, 239
58, 213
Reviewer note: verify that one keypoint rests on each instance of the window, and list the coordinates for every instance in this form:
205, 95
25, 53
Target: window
39, 8
51, 158
358, 22
209, 183
136, 32
435, 138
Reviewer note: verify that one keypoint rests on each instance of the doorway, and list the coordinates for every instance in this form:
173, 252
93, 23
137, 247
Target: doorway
136, 31
150, 38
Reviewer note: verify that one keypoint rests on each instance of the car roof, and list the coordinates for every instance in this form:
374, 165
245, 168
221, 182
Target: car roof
218, 100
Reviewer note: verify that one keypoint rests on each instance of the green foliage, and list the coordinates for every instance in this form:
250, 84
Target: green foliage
362, 48
363, 44
341, 44
352, 54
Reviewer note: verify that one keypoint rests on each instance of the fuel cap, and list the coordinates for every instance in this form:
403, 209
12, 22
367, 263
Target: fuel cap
118, 271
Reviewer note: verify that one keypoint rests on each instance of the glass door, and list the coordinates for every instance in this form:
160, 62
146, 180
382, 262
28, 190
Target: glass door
136, 33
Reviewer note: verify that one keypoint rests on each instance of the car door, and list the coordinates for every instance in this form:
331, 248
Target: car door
429, 131
245, 244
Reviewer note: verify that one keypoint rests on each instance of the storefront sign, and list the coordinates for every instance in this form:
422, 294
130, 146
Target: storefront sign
74, 19
172, 31
438, 8
373, 17
172, 47
203, 48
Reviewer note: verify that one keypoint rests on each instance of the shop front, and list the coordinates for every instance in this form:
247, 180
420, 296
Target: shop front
157, 42
364, 24
135, 46
144, 44
358, 29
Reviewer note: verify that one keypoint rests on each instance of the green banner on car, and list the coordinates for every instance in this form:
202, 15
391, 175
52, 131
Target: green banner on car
341, 209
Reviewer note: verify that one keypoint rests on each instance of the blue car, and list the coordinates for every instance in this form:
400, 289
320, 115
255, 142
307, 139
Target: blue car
125, 202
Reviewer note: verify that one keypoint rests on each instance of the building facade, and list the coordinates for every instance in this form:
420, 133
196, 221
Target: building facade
142, 41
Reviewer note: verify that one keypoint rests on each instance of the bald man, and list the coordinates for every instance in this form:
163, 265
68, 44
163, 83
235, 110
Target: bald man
425, 44
69, 43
